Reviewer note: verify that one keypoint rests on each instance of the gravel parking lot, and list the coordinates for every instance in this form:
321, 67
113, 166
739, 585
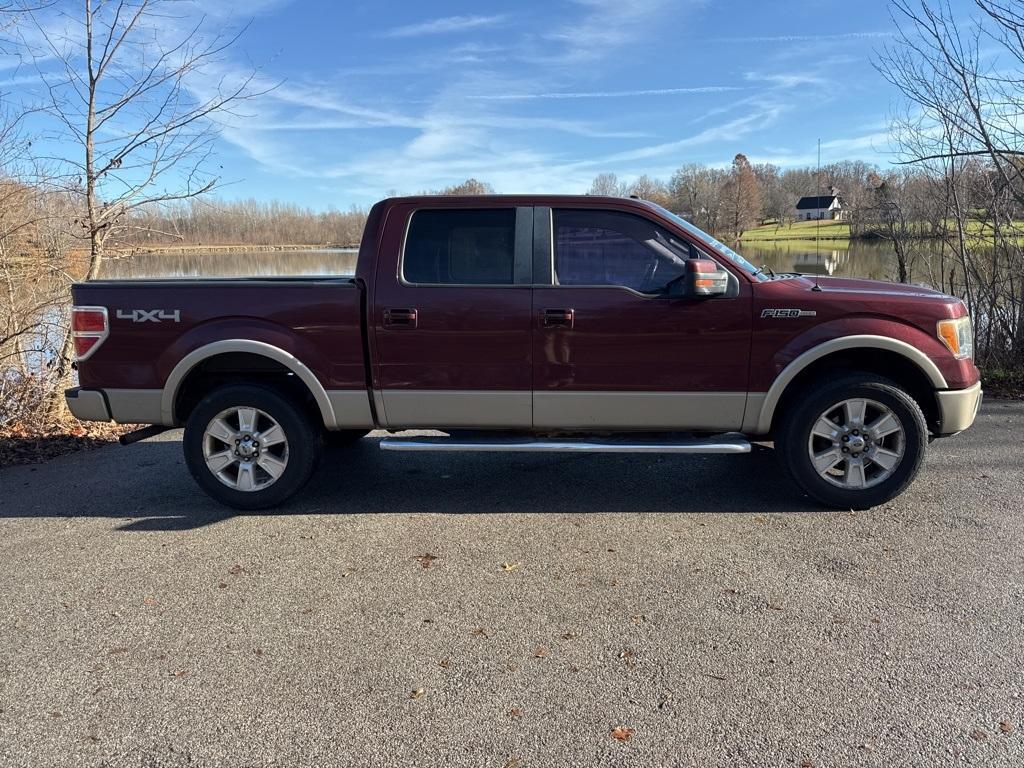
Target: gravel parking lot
496, 610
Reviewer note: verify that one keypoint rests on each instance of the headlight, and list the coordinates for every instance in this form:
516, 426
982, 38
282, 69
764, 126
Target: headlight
958, 336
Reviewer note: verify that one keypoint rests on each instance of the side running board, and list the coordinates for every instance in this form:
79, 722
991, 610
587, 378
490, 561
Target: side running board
728, 443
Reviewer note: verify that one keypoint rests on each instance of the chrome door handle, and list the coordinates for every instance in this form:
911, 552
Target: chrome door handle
558, 318
400, 318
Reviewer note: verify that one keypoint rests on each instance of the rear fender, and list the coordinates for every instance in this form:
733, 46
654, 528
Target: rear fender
246, 335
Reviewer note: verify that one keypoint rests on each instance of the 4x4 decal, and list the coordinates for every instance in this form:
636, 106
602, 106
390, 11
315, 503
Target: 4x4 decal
149, 315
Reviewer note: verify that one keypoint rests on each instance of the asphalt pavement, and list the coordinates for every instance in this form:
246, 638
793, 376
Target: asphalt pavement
513, 610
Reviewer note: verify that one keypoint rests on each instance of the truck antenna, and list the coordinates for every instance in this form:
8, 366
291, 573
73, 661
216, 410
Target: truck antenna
817, 222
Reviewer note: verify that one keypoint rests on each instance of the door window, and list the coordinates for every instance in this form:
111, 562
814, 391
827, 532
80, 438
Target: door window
460, 247
595, 247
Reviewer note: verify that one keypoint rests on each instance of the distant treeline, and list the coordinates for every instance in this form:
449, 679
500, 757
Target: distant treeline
212, 222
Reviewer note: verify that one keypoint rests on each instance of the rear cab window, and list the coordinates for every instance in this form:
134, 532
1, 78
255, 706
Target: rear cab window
460, 247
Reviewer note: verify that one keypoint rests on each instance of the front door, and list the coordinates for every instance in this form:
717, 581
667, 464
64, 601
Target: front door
451, 318
613, 350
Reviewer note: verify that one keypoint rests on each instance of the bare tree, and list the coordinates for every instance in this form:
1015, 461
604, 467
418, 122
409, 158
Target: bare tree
467, 187
141, 105
647, 188
608, 185
696, 192
140, 98
742, 196
963, 86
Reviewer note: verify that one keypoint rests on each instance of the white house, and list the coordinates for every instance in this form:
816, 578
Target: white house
820, 207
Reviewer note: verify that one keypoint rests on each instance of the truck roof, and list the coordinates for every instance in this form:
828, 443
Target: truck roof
550, 200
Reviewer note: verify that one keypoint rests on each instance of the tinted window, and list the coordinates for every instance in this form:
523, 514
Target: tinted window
610, 248
460, 247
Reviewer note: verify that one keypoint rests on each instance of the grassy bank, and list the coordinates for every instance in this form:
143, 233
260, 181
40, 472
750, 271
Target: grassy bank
837, 232
798, 230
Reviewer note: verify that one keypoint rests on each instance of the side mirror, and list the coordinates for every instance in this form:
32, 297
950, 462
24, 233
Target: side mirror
703, 277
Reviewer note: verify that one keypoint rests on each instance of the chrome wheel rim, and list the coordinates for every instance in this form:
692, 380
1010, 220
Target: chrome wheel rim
245, 448
857, 443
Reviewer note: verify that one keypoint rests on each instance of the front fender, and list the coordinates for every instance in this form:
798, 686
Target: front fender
829, 338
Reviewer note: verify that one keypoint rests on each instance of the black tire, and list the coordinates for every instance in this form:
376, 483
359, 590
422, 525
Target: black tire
794, 436
344, 438
303, 445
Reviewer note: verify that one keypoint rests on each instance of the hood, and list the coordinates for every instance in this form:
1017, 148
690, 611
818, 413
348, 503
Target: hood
846, 285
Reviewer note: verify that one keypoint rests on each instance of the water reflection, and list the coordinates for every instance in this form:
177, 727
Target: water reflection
311, 263
869, 259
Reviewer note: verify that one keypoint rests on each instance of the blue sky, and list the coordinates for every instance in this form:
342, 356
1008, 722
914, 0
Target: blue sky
541, 95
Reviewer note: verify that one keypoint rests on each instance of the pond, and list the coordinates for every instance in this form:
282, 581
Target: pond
328, 261
858, 258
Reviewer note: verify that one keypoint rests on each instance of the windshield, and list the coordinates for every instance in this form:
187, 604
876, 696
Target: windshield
722, 248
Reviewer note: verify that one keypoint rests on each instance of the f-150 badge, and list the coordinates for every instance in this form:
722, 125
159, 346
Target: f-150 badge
149, 315
787, 313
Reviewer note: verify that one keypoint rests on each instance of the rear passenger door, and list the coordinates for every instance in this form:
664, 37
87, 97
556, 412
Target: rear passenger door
451, 318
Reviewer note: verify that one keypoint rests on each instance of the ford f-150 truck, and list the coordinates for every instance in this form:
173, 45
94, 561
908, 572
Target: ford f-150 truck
532, 323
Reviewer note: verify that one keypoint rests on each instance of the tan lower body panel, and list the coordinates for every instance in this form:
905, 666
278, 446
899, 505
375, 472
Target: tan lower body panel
714, 411
440, 409
351, 408
135, 406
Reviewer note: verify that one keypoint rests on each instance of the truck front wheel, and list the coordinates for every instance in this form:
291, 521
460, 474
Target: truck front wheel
854, 443
250, 448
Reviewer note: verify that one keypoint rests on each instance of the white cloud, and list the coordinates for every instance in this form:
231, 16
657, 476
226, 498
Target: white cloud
556, 95
445, 25
807, 38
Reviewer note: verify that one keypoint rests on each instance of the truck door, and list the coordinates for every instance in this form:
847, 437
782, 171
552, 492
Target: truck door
612, 349
450, 317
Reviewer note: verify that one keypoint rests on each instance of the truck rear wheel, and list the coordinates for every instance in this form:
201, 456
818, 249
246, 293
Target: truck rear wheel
250, 448
854, 443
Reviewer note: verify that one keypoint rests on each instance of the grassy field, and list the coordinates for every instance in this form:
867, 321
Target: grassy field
799, 230
836, 231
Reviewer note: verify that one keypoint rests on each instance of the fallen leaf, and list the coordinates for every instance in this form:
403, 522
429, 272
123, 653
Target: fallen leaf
515, 712
629, 655
222, 585
1006, 726
638, 619
419, 693
569, 636
479, 632
621, 733
774, 606
507, 567
180, 673
540, 652
978, 735
806, 763
150, 601
426, 559
236, 570
445, 663
513, 762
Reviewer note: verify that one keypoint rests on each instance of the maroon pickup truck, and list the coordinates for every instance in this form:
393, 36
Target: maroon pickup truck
532, 323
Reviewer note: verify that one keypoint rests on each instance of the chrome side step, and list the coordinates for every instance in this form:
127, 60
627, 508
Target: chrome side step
728, 443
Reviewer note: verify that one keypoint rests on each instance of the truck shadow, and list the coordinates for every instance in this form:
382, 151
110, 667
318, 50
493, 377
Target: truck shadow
148, 487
